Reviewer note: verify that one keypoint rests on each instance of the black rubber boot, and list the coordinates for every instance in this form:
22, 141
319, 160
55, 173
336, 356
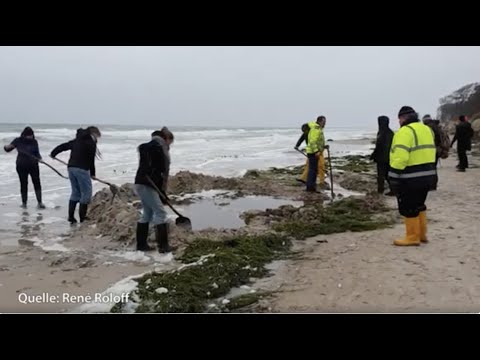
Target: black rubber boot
83, 212
142, 236
38, 193
161, 235
71, 212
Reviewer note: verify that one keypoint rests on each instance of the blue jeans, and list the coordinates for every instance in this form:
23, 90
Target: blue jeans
153, 210
81, 185
312, 172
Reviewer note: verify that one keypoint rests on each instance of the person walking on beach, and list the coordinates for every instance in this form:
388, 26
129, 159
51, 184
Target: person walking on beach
315, 148
27, 164
412, 174
81, 169
321, 164
381, 153
463, 136
154, 165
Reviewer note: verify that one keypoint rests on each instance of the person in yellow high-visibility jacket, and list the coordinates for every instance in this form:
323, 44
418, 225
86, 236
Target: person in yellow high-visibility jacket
315, 147
412, 173
321, 161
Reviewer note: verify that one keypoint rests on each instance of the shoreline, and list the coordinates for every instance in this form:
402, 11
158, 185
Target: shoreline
31, 269
325, 269
82, 257
354, 271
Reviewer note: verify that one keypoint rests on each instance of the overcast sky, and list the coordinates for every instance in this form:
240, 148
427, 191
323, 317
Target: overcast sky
227, 86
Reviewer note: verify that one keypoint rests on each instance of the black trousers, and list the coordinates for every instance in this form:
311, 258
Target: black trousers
312, 172
462, 159
411, 201
34, 172
382, 175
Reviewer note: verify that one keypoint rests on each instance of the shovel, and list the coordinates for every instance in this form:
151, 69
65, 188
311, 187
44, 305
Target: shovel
43, 162
181, 220
301, 152
331, 173
113, 188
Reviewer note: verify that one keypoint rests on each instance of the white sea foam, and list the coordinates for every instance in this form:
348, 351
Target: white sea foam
221, 151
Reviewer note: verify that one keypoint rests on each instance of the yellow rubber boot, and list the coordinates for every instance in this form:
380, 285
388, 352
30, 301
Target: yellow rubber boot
321, 170
412, 238
305, 173
423, 226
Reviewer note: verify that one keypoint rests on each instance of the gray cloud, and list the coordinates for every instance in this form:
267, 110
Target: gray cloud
227, 86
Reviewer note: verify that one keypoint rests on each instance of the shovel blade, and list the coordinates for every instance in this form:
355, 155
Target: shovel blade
183, 222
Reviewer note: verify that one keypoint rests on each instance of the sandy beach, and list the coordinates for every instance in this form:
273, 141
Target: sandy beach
340, 272
365, 272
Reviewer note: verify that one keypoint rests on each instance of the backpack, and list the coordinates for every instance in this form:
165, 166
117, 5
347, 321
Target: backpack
444, 147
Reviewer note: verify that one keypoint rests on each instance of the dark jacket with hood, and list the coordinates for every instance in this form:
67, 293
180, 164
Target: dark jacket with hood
154, 162
82, 151
303, 137
437, 132
28, 151
463, 134
381, 154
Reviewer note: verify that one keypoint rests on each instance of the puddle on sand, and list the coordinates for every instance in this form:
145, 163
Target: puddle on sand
225, 213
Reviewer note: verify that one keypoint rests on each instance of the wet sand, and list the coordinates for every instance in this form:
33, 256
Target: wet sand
44, 256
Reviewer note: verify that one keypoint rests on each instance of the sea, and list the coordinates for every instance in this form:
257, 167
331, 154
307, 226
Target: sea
218, 151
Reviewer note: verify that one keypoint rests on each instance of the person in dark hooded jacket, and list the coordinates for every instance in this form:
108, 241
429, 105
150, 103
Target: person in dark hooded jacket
152, 174
463, 136
27, 164
381, 153
81, 169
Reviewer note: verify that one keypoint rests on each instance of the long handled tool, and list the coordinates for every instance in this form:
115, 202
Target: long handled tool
113, 188
59, 160
331, 173
42, 162
180, 220
301, 152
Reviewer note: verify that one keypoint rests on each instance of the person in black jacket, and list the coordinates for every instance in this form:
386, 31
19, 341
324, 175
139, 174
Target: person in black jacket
434, 125
153, 167
303, 137
81, 169
27, 164
463, 136
381, 153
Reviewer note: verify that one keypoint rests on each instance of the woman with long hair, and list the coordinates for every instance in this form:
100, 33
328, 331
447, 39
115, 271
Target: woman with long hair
153, 171
81, 169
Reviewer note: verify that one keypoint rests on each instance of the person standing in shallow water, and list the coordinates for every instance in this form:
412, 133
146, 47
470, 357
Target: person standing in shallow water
81, 169
154, 165
27, 164
381, 153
